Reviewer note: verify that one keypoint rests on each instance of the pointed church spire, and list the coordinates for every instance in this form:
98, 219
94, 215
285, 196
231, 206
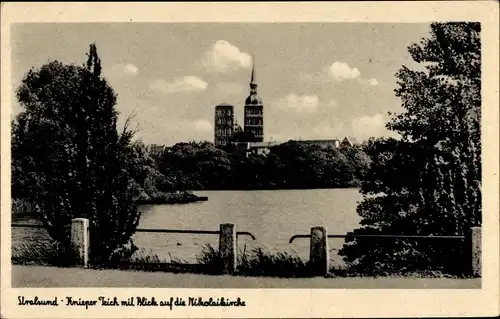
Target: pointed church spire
253, 98
253, 84
252, 80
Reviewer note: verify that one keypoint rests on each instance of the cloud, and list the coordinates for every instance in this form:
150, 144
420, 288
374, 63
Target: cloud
118, 70
364, 127
228, 88
185, 84
298, 103
201, 125
223, 57
373, 81
130, 69
342, 71
337, 71
328, 131
331, 104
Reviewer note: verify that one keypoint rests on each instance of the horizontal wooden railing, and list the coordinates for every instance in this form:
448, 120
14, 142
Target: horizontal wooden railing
190, 231
379, 236
159, 230
177, 231
27, 225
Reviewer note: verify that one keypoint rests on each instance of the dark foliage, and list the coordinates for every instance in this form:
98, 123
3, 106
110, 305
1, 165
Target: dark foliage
196, 166
68, 158
429, 182
243, 137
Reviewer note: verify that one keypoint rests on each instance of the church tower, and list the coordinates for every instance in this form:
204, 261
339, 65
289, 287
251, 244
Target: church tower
254, 110
224, 126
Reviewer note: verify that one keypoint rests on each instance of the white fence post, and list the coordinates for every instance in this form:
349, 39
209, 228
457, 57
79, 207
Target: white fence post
475, 245
80, 240
227, 248
319, 257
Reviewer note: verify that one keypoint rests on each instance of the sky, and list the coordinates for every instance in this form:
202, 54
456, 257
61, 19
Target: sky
316, 80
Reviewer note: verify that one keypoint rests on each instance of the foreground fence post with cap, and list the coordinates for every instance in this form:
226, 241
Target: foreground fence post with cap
473, 247
227, 248
80, 240
319, 260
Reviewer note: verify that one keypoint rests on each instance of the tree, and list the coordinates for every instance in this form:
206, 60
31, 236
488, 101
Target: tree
358, 160
429, 182
67, 149
196, 166
244, 136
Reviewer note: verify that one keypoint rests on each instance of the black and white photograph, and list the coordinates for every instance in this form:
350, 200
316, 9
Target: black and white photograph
318, 155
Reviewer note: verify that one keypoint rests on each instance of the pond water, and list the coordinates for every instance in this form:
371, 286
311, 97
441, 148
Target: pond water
272, 216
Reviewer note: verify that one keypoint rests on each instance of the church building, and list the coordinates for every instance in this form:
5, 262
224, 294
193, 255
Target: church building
254, 112
227, 130
251, 136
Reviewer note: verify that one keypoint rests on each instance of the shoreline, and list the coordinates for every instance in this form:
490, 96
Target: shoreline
270, 189
172, 200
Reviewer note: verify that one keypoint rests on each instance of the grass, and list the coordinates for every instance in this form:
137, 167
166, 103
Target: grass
250, 263
259, 262
256, 262
40, 253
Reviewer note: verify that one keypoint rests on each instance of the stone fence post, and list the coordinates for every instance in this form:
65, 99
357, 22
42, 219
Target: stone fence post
227, 248
319, 256
474, 251
80, 241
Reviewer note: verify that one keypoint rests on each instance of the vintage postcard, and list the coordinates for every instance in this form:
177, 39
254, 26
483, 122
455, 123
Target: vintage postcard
250, 159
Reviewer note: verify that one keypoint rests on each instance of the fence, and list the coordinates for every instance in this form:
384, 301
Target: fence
319, 253
228, 235
319, 260
227, 242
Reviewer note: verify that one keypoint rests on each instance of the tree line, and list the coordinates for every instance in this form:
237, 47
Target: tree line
291, 165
